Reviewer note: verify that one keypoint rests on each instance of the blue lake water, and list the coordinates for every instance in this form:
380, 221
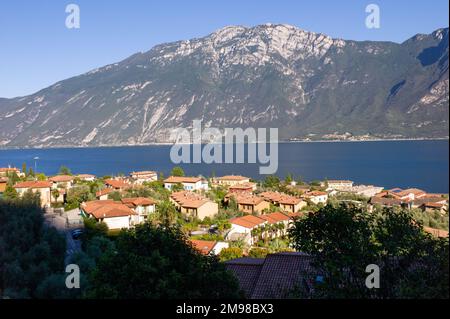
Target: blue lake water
421, 164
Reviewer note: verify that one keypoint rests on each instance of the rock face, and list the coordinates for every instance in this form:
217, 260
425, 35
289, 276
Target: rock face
306, 84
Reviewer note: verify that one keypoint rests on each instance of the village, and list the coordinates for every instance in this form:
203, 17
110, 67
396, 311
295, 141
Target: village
229, 216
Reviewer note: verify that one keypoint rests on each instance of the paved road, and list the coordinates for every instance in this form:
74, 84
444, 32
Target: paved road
59, 222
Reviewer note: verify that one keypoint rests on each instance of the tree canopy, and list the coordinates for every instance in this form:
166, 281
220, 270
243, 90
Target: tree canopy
177, 171
159, 262
31, 252
344, 240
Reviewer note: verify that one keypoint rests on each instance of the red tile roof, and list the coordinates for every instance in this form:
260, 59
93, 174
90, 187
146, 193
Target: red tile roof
138, 201
117, 183
106, 209
436, 232
274, 218
61, 178
104, 191
248, 221
181, 179
204, 246
245, 198
433, 205
189, 199
33, 184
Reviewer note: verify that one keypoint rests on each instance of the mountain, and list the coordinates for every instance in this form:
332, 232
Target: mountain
307, 84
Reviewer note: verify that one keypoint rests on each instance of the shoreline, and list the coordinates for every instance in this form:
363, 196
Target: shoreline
168, 144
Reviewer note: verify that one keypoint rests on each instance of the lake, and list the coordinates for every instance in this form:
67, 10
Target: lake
421, 164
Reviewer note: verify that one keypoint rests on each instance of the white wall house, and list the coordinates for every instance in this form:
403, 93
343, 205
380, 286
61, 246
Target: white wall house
114, 214
189, 183
241, 228
142, 206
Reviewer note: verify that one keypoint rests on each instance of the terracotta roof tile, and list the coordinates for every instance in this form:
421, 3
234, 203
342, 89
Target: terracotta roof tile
33, 184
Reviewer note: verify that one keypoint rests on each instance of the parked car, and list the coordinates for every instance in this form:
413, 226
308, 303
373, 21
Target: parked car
76, 233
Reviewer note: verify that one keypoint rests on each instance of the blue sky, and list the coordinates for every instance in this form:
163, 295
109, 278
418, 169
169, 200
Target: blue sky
37, 49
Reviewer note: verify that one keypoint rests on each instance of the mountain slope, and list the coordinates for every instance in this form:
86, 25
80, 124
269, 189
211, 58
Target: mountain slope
306, 84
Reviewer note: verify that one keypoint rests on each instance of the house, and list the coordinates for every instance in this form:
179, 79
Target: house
86, 177
278, 218
387, 201
249, 203
242, 188
231, 180
340, 185
433, 207
42, 187
194, 205
114, 214
62, 181
408, 198
5, 171
275, 277
242, 227
103, 194
142, 206
317, 197
436, 232
365, 190
3, 183
188, 183
286, 202
406, 195
143, 176
207, 247
117, 184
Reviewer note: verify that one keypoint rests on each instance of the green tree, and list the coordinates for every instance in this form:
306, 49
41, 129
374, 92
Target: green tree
30, 252
159, 263
177, 171
230, 253
166, 213
258, 252
41, 177
64, 170
271, 181
10, 193
93, 228
288, 179
177, 187
343, 240
13, 178
24, 167
55, 194
77, 195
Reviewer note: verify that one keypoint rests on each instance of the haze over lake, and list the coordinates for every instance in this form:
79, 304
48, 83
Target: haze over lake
421, 164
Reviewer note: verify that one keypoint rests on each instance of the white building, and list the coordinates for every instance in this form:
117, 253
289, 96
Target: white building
241, 228
207, 247
142, 206
316, 197
86, 177
114, 214
188, 183
144, 176
339, 185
